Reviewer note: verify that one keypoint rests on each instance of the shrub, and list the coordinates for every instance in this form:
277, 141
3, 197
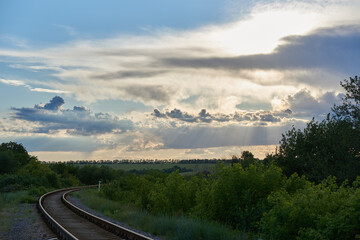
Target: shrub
323, 211
238, 197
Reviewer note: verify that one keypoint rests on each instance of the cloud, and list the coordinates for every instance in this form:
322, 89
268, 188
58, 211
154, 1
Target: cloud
157, 93
23, 84
178, 114
70, 30
217, 82
217, 86
242, 53
195, 136
54, 104
196, 151
14, 41
60, 144
304, 104
331, 48
158, 114
205, 117
76, 121
128, 74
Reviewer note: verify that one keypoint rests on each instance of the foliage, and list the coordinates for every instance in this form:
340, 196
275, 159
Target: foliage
20, 171
292, 194
166, 226
141, 167
323, 211
329, 147
237, 196
12, 157
9, 199
246, 159
40, 174
174, 196
350, 107
232, 195
92, 174
14, 147
258, 199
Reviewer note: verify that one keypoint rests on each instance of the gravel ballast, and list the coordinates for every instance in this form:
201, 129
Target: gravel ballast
24, 222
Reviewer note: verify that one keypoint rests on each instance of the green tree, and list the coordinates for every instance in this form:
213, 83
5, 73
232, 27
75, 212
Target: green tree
13, 156
329, 147
246, 159
14, 147
8, 162
238, 196
39, 174
325, 148
350, 107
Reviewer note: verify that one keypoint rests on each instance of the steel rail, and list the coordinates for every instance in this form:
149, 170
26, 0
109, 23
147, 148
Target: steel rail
60, 231
64, 233
111, 227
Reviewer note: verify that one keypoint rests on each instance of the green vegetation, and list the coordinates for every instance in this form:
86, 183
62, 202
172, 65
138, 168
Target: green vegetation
169, 167
328, 148
323, 211
308, 189
258, 200
12, 157
171, 227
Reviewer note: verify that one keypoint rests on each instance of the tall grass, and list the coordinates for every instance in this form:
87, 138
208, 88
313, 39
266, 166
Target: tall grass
168, 227
8, 203
9, 199
11, 204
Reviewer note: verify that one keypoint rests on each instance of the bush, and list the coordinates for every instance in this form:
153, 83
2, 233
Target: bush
238, 197
328, 148
323, 211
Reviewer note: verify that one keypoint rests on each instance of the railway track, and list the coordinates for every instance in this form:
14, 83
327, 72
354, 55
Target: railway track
72, 223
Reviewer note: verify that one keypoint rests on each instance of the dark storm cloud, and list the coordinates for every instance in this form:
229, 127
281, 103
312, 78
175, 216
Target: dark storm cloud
79, 109
157, 93
158, 114
333, 48
78, 121
54, 104
183, 116
205, 117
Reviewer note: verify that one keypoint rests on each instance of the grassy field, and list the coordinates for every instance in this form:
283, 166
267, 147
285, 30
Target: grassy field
194, 167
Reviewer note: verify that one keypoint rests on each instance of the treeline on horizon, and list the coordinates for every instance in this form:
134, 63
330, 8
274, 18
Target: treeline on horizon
146, 161
308, 189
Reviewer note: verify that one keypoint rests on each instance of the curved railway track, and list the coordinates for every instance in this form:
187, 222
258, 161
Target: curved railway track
72, 223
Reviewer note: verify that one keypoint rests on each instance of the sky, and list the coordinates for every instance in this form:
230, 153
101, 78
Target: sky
166, 79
